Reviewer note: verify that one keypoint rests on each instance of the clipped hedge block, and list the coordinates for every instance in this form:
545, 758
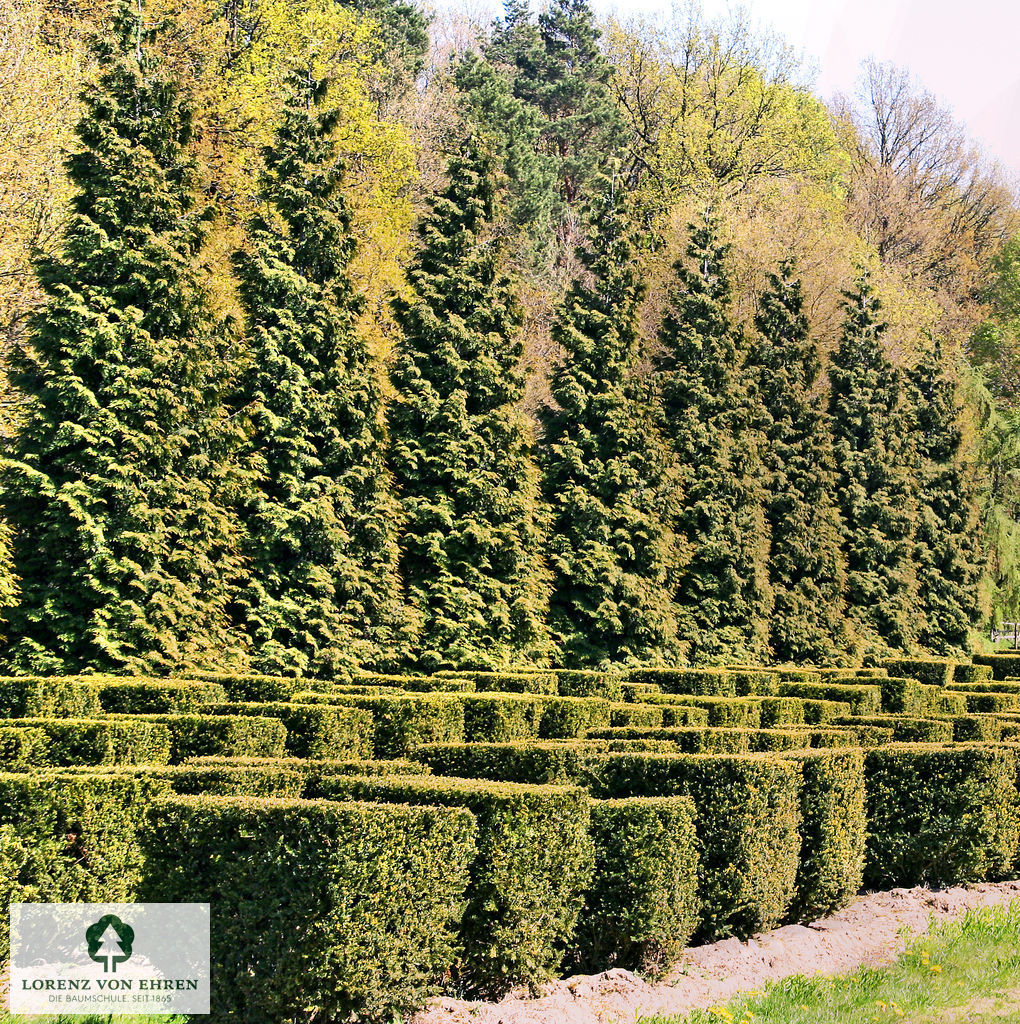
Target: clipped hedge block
642, 907
51, 696
250, 687
932, 671
508, 682
90, 741
864, 699
976, 729
502, 718
906, 730
218, 735
734, 712
713, 741
529, 763
417, 683
528, 880
967, 673
157, 697
1003, 666
940, 815
573, 717
703, 682
22, 748
353, 913
589, 683
639, 715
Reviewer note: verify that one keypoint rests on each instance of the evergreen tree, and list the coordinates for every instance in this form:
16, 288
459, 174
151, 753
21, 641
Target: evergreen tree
725, 597
319, 526
950, 561
116, 480
875, 483
605, 473
460, 448
806, 569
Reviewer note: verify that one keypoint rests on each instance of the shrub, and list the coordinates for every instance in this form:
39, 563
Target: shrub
966, 673
22, 747
247, 688
940, 815
976, 728
508, 682
932, 671
775, 711
528, 880
323, 911
747, 812
1003, 666
640, 715
833, 829
705, 682
863, 698
50, 696
268, 779
402, 723
132, 697
589, 683
89, 741
313, 730
313, 768
572, 717
637, 691
990, 703
906, 730
417, 683
712, 741
735, 712
223, 735
502, 718
642, 906
531, 763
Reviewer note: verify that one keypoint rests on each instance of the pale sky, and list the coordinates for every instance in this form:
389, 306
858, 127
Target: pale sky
967, 52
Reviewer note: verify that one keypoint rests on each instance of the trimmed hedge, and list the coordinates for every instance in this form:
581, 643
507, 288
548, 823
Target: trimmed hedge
1003, 666
50, 696
133, 697
704, 682
268, 779
573, 717
735, 712
863, 698
906, 730
713, 741
940, 815
964, 673
502, 718
990, 703
748, 811
589, 683
351, 916
528, 880
832, 830
508, 682
977, 728
313, 730
403, 722
222, 735
642, 907
22, 748
91, 741
932, 671
529, 763
640, 715
415, 683
246, 688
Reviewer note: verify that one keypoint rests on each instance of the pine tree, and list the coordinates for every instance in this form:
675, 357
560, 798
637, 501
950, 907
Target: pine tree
725, 597
116, 480
605, 473
875, 483
806, 569
950, 561
460, 447
319, 526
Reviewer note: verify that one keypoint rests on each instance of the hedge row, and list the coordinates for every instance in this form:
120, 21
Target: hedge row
89, 741
50, 697
159, 697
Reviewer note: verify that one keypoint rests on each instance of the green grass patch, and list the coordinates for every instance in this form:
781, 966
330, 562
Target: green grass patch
965, 970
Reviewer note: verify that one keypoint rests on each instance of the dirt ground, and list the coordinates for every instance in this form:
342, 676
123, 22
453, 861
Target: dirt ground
872, 930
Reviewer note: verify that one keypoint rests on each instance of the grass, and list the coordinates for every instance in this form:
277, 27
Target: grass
963, 971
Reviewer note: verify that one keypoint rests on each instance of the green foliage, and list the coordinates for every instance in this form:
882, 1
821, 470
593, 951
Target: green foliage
875, 456
321, 593
22, 748
501, 718
401, 723
223, 735
45, 696
533, 866
605, 474
904, 729
807, 572
643, 904
460, 448
939, 817
833, 829
863, 699
116, 482
725, 597
71, 741
933, 671
151, 696
321, 925
951, 562
964, 673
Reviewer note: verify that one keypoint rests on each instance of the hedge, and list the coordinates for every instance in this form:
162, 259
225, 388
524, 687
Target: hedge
640, 715
573, 717
403, 722
22, 748
977, 728
50, 696
533, 867
134, 697
251, 687
90, 741
990, 703
268, 779
223, 735
508, 682
416, 683
747, 820
638, 691
713, 741
642, 907
933, 671
529, 762
832, 832
906, 730
964, 673
589, 683
736, 712
313, 730
863, 698
992, 686
502, 718
705, 682
323, 911
940, 815
1003, 666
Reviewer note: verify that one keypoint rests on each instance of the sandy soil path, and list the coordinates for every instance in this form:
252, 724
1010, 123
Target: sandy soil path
871, 931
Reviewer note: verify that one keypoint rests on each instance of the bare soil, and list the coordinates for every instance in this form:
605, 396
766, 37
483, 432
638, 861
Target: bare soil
873, 931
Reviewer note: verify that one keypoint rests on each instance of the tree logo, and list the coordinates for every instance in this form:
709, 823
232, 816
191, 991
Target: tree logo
109, 941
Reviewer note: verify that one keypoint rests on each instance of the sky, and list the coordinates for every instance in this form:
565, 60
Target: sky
967, 52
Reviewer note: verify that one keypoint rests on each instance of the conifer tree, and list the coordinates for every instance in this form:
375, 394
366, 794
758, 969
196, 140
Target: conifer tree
322, 591
115, 483
806, 569
461, 450
606, 475
724, 596
950, 561
876, 466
